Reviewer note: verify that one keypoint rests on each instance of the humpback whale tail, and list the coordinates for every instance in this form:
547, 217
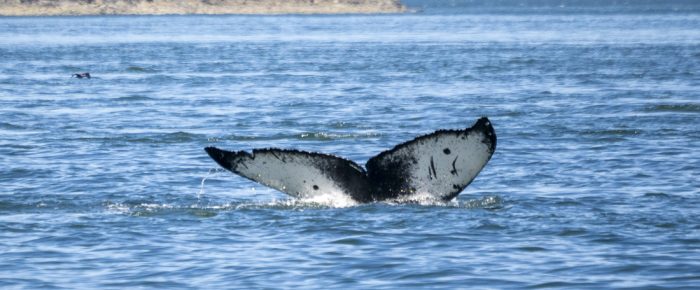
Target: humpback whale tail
440, 164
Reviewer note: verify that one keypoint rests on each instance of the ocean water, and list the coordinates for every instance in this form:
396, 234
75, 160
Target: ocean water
594, 183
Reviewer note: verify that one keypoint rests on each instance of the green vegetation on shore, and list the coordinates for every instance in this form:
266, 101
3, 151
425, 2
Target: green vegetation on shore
158, 7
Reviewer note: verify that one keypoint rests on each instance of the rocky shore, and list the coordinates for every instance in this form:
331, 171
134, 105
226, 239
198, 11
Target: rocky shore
159, 7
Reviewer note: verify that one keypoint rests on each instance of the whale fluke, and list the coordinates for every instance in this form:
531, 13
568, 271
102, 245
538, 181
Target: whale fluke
440, 165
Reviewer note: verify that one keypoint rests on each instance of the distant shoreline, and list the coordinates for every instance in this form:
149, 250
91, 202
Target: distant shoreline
164, 7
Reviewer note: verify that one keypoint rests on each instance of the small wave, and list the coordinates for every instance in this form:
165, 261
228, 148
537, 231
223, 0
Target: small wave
512, 113
157, 209
167, 138
134, 98
486, 202
572, 232
249, 138
344, 125
559, 284
179, 137
306, 136
349, 241
147, 209
19, 204
140, 69
354, 89
323, 136
344, 201
14, 173
612, 132
490, 226
659, 195
18, 173
521, 60
678, 108
10, 126
70, 68
330, 201
531, 249
489, 68
175, 137
666, 225
281, 204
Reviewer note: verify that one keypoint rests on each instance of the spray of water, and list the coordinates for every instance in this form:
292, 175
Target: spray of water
200, 193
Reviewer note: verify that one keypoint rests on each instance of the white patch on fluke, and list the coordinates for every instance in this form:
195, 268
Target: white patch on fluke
292, 174
300, 174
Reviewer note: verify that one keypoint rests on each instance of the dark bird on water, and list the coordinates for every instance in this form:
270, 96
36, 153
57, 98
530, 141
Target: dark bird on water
85, 75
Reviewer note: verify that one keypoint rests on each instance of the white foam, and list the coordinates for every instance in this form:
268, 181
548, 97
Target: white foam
331, 199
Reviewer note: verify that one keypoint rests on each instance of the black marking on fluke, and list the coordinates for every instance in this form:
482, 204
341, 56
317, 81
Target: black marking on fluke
390, 174
273, 154
431, 171
454, 168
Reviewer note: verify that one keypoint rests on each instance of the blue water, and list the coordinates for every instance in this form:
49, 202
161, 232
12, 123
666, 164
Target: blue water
594, 184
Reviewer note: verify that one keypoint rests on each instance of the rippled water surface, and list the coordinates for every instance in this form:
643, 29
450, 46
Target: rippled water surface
595, 181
